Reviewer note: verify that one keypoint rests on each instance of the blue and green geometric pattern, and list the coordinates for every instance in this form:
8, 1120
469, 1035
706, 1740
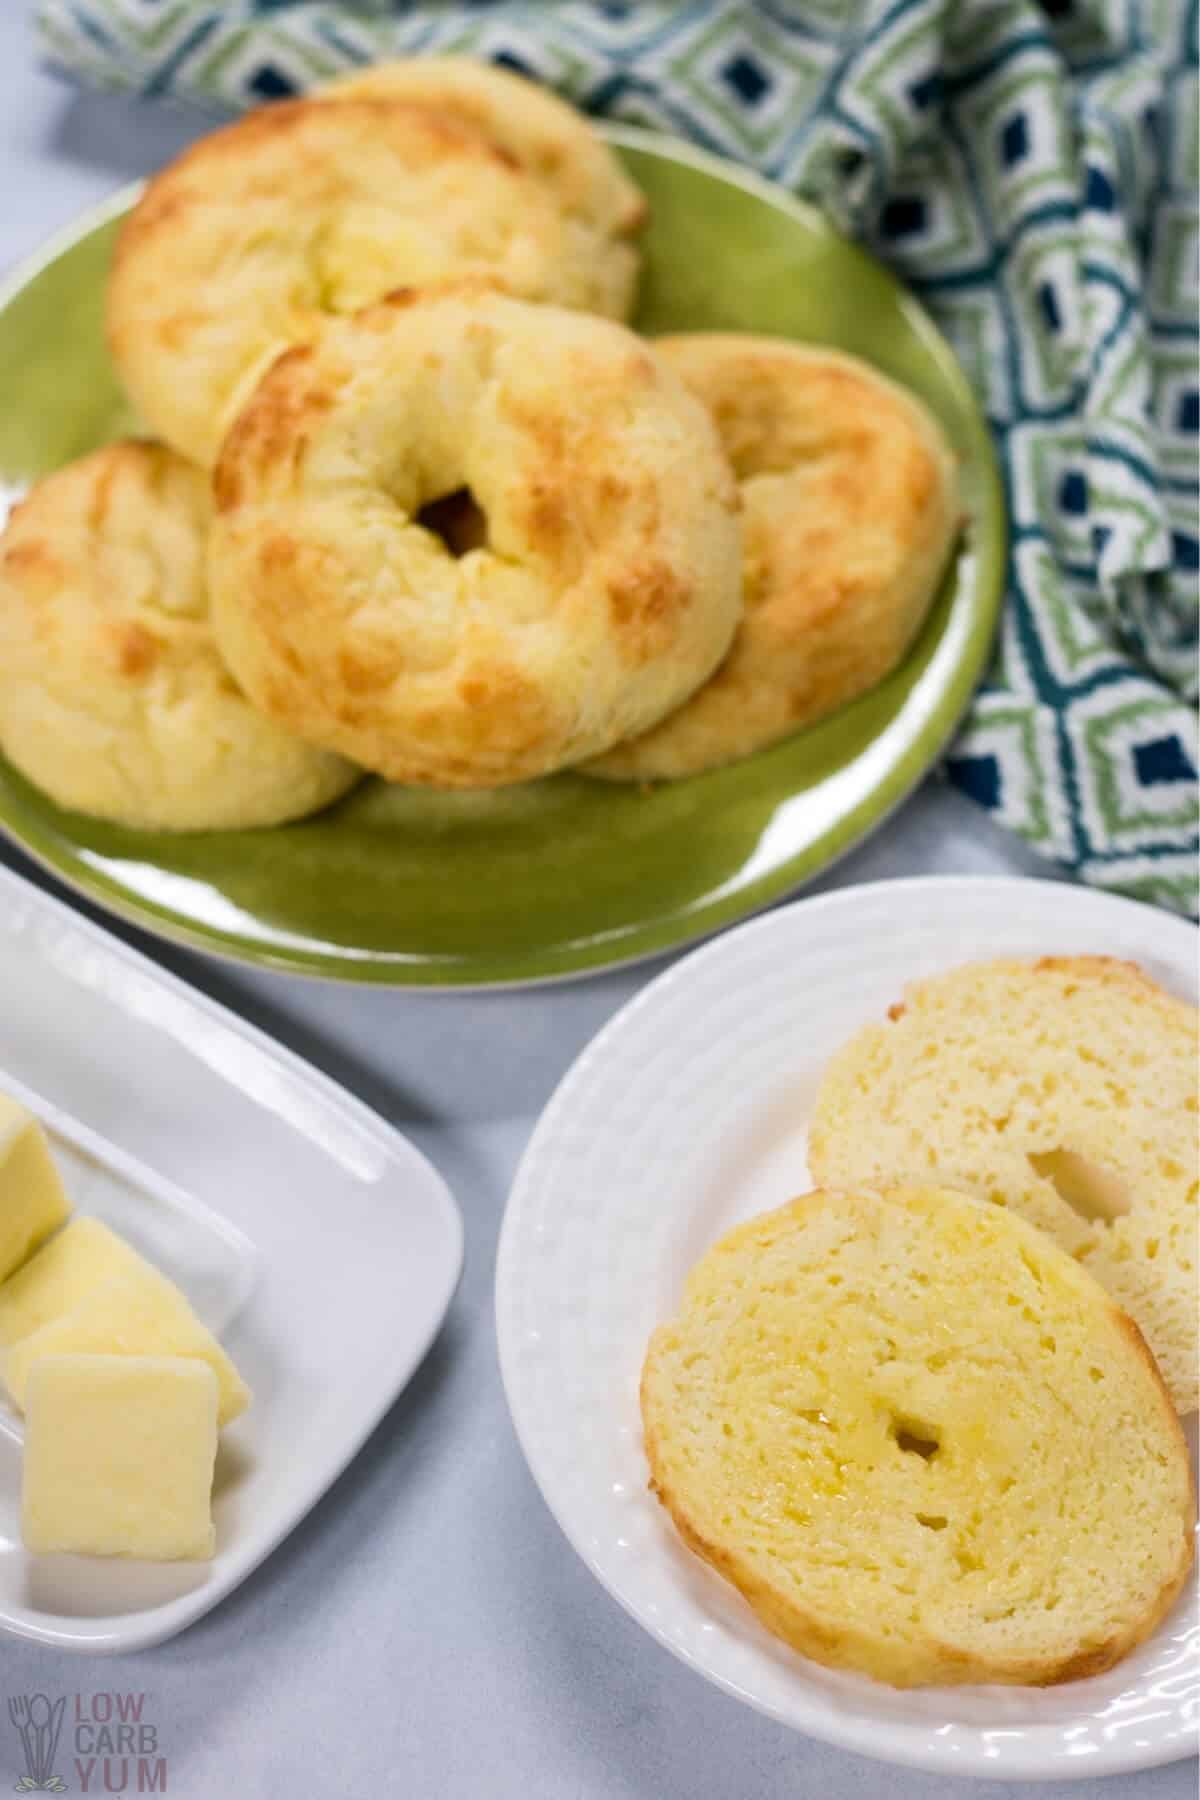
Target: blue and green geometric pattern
1030, 170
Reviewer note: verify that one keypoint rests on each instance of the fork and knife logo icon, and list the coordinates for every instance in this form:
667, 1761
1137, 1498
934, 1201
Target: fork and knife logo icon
38, 1724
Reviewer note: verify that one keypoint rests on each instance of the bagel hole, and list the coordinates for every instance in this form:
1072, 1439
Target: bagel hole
1089, 1189
916, 1438
458, 520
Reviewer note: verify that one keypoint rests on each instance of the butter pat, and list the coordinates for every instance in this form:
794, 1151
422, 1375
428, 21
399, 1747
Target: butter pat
32, 1202
119, 1454
82, 1256
140, 1314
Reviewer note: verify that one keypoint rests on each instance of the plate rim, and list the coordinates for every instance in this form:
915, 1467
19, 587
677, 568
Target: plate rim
827, 1725
172, 1617
682, 928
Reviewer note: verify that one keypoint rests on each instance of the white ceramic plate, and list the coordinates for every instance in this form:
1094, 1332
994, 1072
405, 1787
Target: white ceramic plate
309, 1234
688, 1113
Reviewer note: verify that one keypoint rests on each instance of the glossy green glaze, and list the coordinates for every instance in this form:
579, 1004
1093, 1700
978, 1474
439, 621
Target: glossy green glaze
410, 887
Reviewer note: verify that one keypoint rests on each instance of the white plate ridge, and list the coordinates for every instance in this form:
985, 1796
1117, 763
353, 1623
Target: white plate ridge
687, 1113
271, 1195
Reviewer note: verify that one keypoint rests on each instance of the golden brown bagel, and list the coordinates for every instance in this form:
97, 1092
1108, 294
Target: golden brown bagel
113, 698
303, 209
549, 138
607, 583
850, 507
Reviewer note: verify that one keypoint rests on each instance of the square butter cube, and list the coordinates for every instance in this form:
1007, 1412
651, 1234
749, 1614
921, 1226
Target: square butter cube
32, 1202
142, 1314
82, 1256
119, 1454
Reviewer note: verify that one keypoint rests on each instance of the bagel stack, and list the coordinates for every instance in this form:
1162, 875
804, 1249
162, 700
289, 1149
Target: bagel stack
421, 504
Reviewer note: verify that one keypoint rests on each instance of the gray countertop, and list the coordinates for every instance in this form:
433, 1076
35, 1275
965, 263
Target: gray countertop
427, 1631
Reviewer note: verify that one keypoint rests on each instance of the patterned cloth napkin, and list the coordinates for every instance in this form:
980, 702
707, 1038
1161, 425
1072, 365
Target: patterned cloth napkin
1030, 170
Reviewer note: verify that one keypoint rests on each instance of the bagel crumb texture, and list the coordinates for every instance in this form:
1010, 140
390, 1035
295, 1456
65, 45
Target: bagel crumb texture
1064, 1088
921, 1441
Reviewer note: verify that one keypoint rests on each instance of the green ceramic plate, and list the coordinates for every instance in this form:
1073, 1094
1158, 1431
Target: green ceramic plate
414, 888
